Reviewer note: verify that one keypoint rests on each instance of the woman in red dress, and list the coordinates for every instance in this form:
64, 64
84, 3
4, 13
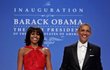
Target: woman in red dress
34, 56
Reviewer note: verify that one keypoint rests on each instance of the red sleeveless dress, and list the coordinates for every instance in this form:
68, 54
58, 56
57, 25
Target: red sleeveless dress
34, 59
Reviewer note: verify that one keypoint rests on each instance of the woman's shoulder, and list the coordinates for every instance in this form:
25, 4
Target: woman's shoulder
22, 50
46, 50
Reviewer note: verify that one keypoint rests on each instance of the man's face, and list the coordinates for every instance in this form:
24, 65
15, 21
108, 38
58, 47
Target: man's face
84, 32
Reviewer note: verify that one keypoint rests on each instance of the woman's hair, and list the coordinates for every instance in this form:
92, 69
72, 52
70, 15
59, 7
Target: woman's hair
28, 33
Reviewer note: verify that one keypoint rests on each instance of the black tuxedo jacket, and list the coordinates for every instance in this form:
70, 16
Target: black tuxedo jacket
92, 59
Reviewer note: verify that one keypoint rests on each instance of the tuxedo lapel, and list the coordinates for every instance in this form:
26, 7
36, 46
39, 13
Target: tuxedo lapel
89, 49
74, 51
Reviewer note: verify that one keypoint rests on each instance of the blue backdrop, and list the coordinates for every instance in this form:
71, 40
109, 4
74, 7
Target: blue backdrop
59, 20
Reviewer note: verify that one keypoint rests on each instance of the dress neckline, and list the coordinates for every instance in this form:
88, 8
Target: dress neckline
38, 47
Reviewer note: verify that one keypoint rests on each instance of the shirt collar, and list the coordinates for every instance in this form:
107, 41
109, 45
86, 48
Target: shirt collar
80, 44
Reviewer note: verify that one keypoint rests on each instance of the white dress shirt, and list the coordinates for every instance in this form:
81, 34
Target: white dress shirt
81, 52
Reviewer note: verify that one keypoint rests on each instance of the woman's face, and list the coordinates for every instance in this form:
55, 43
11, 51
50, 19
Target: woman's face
34, 37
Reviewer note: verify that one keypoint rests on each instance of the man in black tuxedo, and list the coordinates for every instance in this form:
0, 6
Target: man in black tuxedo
82, 55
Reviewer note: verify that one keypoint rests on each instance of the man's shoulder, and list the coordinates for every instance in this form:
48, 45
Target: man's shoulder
71, 45
94, 45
